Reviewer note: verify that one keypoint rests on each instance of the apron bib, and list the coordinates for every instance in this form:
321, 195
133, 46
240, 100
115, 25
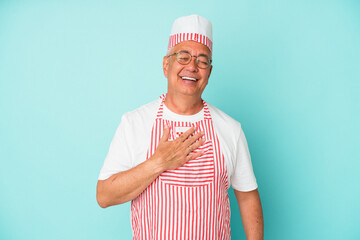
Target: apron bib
190, 202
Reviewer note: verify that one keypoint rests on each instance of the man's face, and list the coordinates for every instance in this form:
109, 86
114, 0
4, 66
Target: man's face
175, 72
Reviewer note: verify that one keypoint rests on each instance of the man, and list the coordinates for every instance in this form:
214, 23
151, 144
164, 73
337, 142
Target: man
176, 157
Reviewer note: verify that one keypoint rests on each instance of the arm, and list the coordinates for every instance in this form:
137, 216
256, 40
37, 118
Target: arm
251, 214
125, 186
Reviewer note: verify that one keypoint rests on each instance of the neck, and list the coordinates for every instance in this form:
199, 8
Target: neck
183, 104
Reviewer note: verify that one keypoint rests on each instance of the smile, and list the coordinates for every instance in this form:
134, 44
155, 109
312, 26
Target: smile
189, 78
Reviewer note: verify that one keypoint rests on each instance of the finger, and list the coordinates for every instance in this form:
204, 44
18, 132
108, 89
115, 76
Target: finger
186, 134
165, 135
198, 143
194, 155
194, 146
193, 139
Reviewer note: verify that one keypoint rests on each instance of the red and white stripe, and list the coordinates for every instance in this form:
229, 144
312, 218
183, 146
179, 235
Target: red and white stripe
181, 37
190, 202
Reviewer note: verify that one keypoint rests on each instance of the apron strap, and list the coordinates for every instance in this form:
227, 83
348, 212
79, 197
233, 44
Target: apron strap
160, 111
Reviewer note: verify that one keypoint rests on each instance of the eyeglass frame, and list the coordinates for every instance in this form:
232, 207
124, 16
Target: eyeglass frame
191, 56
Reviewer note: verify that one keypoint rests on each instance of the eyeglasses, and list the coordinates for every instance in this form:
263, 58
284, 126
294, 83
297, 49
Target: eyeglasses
185, 58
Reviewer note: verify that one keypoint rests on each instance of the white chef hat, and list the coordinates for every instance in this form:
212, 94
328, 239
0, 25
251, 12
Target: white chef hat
191, 28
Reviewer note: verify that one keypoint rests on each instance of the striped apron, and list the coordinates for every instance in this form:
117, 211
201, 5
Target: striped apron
190, 202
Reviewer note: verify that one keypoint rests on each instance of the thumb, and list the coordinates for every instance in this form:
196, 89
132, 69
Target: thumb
166, 134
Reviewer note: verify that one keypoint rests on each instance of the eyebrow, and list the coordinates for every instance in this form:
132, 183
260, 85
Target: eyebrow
201, 54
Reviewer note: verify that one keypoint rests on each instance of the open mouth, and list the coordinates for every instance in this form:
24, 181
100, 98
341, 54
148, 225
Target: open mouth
189, 79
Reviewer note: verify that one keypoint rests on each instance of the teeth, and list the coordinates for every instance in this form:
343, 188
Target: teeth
189, 78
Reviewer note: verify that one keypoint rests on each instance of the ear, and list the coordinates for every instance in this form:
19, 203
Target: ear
165, 66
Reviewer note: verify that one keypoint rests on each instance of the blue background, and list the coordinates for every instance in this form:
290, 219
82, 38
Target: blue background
287, 70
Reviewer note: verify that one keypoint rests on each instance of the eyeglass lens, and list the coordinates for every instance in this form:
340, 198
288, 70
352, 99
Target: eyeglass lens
185, 58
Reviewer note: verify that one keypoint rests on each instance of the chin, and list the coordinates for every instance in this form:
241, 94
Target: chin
191, 93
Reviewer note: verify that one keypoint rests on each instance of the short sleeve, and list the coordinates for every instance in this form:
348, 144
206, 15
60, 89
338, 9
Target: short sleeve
243, 178
118, 158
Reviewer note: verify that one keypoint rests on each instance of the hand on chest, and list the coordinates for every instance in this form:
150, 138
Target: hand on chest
196, 172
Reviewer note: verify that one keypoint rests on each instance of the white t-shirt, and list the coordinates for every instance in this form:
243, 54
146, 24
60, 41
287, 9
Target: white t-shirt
133, 136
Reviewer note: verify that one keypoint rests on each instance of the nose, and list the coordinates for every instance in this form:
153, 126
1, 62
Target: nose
192, 66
